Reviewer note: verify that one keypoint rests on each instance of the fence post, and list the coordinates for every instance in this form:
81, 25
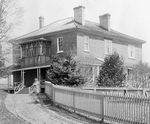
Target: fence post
53, 93
8, 84
74, 101
102, 107
149, 110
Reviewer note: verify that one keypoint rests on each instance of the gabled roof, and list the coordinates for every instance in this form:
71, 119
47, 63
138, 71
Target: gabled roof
69, 23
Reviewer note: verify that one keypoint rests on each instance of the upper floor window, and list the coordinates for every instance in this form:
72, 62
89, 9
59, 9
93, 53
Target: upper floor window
86, 43
21, 52
31, 50
108, 46
26, 51
131, 51
41, 48
60, 44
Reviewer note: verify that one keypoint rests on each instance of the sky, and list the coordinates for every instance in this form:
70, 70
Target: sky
130, 17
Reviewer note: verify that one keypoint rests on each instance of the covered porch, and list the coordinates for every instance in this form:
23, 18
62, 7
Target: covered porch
25, 76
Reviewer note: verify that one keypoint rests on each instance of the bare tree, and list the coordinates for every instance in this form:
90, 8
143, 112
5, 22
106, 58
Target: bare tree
139, 76
10, 18
10, 15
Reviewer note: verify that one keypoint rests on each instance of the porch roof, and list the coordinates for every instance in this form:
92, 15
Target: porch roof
29, 68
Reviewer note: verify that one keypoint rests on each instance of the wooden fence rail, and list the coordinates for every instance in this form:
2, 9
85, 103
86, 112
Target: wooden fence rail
114, 107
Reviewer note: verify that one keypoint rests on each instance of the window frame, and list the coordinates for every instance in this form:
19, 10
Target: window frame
21, 52
86, 42
58, 47
26, 51
41, 48
108, 44
131, 48
31, 50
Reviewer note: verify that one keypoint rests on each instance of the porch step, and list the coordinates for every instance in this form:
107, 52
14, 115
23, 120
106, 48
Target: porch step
24, 91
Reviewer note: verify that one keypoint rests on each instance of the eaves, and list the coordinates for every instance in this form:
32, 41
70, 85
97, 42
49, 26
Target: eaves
109, 35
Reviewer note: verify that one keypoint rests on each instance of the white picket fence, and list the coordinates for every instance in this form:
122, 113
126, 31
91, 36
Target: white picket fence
113, 107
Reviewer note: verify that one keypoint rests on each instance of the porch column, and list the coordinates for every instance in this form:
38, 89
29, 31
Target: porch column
8, 83
93, 74
22, 76
39, 74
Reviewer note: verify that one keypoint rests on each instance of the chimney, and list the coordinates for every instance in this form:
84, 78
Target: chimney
105, 21
79, 14
41, 22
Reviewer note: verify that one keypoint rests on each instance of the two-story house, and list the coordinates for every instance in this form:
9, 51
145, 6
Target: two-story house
90, 41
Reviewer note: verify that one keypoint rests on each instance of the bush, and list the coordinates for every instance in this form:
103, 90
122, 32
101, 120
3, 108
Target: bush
64, 71
111, 73
140, 75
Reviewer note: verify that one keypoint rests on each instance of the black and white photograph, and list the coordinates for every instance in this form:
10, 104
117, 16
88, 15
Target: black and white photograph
74, 62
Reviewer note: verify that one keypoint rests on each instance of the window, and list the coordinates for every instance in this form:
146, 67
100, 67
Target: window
34, 49
21, 52
40, 48
59, 44
131, 51
44, 48
86, 43
108, 46
47, 51
31, 50
129, 71
26, 51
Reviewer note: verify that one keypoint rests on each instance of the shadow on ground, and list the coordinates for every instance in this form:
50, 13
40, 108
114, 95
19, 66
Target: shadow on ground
68, 113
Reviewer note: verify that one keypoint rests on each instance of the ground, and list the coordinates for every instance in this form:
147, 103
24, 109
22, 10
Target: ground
7, 117
15, 109
36, 110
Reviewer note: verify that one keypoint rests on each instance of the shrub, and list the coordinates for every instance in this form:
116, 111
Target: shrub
111, 73
64, 71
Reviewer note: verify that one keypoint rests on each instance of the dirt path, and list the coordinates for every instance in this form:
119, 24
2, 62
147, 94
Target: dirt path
29, 108
39, 110
7, 117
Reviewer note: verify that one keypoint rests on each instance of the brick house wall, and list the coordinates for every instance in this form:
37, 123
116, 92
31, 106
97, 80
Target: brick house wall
69, 42
97, 48
121, 47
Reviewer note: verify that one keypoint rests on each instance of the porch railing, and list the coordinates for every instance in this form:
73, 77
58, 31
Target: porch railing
31, 89
18, 87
